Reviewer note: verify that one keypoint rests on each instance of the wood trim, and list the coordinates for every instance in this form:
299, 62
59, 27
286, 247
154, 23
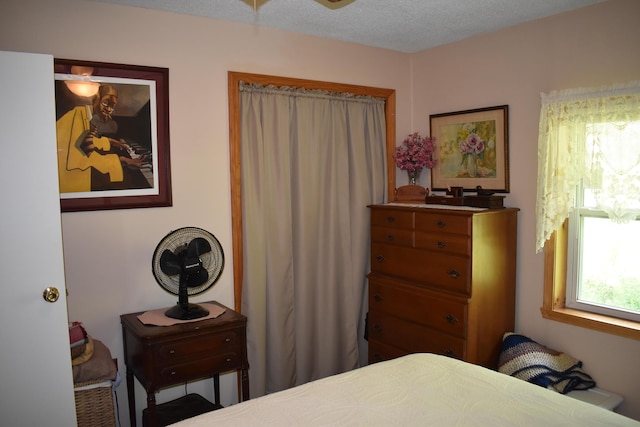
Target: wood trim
555, 285
234, 79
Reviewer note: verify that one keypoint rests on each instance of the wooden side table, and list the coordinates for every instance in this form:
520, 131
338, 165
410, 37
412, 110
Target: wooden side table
163, 356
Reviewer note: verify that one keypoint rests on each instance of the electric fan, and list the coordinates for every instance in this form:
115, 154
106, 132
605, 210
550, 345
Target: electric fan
187, 261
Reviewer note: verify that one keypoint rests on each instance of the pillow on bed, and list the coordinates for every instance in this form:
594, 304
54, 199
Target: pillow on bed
523, 358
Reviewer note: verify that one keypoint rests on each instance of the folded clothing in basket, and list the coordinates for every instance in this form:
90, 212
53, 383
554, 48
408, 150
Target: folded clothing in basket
98, 366
78, 338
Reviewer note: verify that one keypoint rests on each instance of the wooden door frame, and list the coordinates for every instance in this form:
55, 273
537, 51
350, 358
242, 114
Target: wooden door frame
234, 79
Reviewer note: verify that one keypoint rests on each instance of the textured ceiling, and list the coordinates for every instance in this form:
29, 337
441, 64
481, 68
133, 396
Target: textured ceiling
401, 25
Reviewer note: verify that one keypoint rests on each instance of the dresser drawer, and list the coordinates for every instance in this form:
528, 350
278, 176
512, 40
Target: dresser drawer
419, 306
440, 222
392, 218
379, 351
412, 337
169, 374
202, 346
451, 243
444, 271
393, 236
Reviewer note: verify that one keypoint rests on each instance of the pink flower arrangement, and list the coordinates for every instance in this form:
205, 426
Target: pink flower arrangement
473, 144
415, 153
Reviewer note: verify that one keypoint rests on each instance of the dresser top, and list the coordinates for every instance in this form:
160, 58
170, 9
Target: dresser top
424, 206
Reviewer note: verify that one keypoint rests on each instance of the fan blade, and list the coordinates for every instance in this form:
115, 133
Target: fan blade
197, 247
170, 263
198, 278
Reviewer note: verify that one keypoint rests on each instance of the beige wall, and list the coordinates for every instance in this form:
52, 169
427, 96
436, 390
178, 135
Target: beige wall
593, 46
108, 253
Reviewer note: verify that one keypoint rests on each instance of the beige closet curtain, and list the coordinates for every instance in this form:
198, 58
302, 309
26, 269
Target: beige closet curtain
311, 163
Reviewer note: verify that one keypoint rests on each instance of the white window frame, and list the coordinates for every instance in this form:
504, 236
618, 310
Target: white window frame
574, 261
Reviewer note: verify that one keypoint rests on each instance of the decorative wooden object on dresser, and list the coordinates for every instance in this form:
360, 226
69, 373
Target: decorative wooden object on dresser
162, 356
442, 281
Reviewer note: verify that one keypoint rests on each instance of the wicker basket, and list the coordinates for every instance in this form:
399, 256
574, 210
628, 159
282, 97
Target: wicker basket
94, 406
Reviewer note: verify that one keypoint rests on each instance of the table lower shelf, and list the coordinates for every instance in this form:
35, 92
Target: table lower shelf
180, 409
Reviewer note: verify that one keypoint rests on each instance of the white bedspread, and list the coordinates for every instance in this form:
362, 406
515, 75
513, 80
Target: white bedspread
415, 390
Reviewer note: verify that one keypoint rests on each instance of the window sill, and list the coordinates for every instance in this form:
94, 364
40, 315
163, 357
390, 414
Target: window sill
598, 322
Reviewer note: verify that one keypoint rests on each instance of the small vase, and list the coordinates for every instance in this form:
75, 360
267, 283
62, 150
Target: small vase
414, 174
472, 165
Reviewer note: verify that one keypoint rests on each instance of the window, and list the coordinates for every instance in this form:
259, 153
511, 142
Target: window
588, 207
603, 274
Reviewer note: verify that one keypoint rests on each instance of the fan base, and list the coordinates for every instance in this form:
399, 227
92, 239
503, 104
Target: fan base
190, 312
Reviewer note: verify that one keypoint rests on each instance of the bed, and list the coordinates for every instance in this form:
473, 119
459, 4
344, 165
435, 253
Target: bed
418, 389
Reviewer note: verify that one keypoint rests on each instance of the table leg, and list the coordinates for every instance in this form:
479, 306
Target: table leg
245, 384
216, 389
132, 398
151, 409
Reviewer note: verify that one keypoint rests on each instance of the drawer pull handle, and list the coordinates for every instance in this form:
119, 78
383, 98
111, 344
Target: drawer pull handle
172, 352
441, 224
228, 360
380, 258
390, 237
441, 245
173, 372
227, 340
377, 297
391, 219
454, 273
451, 319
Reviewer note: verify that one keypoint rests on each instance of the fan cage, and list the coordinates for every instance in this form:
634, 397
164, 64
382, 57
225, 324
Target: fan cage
213, 260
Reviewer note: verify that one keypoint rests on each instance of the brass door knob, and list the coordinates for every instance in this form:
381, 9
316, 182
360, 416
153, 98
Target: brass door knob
51, 294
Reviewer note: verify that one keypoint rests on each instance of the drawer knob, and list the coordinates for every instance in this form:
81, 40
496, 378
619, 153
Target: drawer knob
227, 340
377, 297
377, 328
454, 273
391, 219
449, 352
380, 258
390, 237
172, 352
451, 319
441, 245
377, 356
441, 223
228, 359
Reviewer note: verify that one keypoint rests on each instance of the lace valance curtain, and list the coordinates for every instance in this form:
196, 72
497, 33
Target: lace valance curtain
591, 135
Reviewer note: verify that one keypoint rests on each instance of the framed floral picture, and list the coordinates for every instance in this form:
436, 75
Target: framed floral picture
471, 148
112, 131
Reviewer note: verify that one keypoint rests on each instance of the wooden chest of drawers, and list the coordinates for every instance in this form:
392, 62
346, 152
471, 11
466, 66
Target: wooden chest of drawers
442, 281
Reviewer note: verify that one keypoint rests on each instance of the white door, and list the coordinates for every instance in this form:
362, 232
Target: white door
36, 384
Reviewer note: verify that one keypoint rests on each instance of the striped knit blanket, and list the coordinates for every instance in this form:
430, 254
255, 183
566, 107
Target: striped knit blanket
524, 358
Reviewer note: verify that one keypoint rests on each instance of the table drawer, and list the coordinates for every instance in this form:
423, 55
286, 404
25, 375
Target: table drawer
419, 306
412, 337
440, 222
392, 236
205, 345
392, 218
197, 368
445, 271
